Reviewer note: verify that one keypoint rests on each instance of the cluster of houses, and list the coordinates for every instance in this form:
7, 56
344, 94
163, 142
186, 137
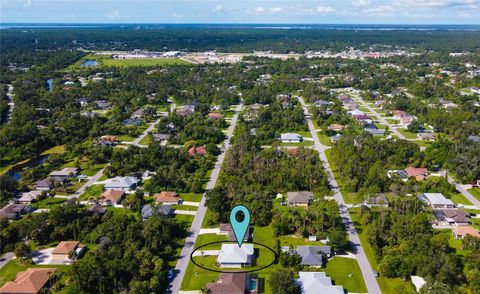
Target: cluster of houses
22, 203
40, 280
419, 173
448, 215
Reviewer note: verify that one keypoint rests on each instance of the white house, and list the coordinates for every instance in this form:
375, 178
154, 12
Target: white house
317, 282
234, 256
436, 200
122, 183
291, 138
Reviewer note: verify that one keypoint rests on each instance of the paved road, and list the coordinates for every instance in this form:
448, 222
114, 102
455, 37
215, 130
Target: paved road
82, 189
136, 142
11, 104
360, 255
184, 257
380, 118
6, 258
462, 190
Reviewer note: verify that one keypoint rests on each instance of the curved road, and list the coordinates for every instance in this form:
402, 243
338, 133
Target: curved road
367, 272
184, 257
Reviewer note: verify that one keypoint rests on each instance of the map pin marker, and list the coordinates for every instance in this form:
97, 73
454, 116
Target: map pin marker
239, 227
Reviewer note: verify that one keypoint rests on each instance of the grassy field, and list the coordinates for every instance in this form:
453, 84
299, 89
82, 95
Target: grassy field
105, 60
460, 199
346, 272
54, 150
93, 191
475, 192
49, 203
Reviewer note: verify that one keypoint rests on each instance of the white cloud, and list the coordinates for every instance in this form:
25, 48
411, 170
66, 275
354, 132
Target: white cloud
361, 3
276, 9
28, 4
380, 10
325, 9
115, 15
440, 3
259, 9
218, 8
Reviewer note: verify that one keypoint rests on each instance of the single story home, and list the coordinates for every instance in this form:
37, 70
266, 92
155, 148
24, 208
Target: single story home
380, 200
373, 130
102, 104
62, 175
462, 231
355, 112
320, 103
139, 113
230, 283
426, 136
97, 208
299, 198
458, 217
474, 139
44, 185
28, 197
30, 281
291, 138
317, 282
185, 110
160, 137
362, 118
147, 211
215, 115
167, 197
400, 173
132, 122
197, 151
436, 200
312, 255
122, 183
65, 248
226, 229
419, 173
234, 256
336, 127
112, 197
14, 211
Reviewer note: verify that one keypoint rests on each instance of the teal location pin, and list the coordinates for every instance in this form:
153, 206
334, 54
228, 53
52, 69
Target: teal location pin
239, 227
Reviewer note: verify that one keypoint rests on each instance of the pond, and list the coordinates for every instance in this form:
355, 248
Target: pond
89, 63
16, 171
50, 85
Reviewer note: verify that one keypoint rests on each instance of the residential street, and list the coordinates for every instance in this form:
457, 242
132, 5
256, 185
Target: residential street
464, 191
367, 272
188, 247
380, 118
82, 189
6, 258
136, 142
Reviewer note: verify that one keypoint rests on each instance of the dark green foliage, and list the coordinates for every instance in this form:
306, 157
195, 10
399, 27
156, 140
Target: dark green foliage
282, 282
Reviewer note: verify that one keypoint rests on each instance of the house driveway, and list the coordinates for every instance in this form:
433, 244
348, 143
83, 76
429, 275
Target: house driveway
206, 252
44, 257
191, 203
186, 212
209, 231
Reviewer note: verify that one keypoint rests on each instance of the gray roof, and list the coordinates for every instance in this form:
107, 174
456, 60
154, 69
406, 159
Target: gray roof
475, 139
300, 197
317, 282
436, 199
147, 210
375, 132
312, 255
290, 136
378, 199
121, 182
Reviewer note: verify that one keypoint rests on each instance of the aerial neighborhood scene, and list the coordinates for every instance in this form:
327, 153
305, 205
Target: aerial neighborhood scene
240, 147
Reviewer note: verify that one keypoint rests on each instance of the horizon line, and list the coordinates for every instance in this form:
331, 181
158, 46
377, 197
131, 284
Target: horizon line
239, 23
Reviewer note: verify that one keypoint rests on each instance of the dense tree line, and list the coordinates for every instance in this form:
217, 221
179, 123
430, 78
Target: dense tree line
405, 244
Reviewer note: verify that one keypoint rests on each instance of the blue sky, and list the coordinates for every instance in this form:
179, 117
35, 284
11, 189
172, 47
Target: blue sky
242, 11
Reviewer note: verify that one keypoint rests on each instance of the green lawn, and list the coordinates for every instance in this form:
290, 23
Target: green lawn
196, 278
144, 62
54, 150
352, 198
184, 207
339, 269
407, 134
126, 138
475, 192
71, 188
50, 202
460, 199
305, 134
93, 191
324, 139
184, 218
193, 197
147, 140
